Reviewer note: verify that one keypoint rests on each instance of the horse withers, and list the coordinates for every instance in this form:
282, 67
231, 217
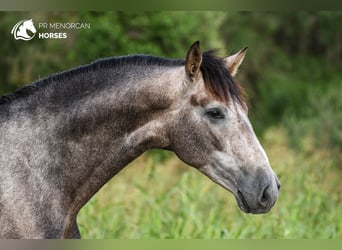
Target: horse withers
65, 136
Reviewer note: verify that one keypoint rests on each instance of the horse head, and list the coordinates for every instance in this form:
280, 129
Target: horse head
211, 131
28, 24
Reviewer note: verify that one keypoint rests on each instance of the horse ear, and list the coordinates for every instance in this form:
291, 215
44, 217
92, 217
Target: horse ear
193, 60
234, 61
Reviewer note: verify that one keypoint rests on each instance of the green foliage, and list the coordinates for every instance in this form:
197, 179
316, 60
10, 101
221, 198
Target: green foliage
167, 34
322, 121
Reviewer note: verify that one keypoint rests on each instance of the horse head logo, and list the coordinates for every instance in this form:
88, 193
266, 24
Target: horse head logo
21, 29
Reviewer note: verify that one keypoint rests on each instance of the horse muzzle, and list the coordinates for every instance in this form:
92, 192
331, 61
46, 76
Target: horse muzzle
257, 200
255, 188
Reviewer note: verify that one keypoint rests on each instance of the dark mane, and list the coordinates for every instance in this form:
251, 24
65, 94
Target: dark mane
217, 79
144, 60
29, 89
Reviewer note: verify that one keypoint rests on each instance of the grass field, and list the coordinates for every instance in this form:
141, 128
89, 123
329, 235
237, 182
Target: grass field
155, 198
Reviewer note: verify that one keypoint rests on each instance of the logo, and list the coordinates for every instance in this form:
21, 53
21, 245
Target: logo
24, 30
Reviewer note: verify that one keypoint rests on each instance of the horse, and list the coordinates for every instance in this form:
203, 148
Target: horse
20, 30
64, 136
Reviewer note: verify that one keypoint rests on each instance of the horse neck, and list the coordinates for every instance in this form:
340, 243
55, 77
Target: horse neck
118, 104
98, 135
113, 114
68, 136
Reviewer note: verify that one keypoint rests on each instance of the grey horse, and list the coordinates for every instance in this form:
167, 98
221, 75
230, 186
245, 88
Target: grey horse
63, 137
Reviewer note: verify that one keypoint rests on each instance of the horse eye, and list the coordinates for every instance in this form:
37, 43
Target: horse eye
215, 113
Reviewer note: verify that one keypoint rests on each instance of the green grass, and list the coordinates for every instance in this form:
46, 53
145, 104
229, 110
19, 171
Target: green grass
156, 198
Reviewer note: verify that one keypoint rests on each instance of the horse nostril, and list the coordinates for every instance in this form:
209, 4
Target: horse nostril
264, 197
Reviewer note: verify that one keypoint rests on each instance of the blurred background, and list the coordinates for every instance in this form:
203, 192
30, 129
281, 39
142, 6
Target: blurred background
292, 76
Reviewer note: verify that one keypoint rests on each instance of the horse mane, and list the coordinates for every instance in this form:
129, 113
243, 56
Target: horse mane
217, 79
22, 92
216, 76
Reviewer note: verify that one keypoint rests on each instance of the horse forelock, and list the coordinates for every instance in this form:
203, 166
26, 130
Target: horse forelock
217, 79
